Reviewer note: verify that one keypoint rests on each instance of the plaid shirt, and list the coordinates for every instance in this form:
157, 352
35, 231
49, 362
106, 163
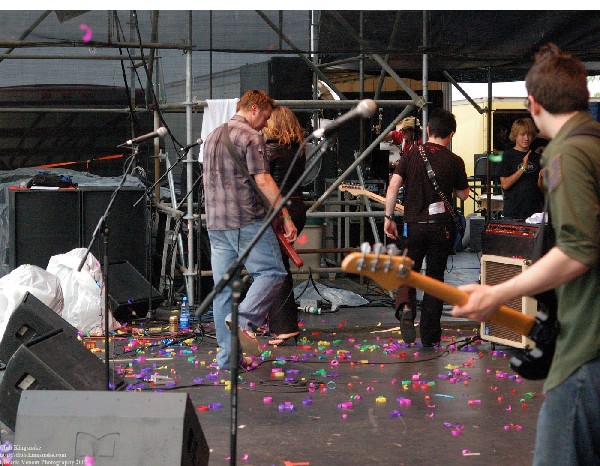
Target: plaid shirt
230, 199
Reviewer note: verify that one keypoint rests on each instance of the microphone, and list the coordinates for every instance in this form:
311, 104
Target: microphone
193, 144
364, 109
159, 133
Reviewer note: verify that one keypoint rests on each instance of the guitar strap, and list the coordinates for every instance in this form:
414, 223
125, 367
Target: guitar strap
431, 175
240, 164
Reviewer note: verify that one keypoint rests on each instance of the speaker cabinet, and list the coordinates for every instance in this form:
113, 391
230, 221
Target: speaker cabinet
495, 270
55, 361
31, 320
42, 224
114, 428
129, 293
127, 225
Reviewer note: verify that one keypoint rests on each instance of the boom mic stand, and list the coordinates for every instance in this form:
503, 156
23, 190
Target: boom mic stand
105, 232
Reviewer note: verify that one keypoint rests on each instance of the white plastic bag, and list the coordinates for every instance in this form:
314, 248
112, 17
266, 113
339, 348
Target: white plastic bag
83, 291
33, 279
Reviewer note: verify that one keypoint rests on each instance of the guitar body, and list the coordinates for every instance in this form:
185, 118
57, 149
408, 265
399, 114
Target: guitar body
458, 234
392, 271
286, 245
534, 364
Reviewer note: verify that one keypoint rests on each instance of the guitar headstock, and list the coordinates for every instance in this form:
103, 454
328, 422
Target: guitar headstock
389, 270
354, 189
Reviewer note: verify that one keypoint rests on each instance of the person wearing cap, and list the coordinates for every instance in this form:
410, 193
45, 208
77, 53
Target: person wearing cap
405, 134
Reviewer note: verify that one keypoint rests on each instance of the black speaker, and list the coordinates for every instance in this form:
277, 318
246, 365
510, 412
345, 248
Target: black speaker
31, 319
55, 361
127, 225
42, 224
283, 78
114, 428
45, 223
129, 293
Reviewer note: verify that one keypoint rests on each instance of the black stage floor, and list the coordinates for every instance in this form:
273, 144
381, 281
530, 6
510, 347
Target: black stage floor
352, 393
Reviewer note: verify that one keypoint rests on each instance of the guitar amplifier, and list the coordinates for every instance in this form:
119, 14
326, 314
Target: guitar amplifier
498, 269
509, 239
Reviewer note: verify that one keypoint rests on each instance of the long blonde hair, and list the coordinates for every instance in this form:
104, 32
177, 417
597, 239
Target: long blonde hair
284, 126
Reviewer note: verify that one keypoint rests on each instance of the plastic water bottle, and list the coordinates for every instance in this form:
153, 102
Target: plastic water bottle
184, 315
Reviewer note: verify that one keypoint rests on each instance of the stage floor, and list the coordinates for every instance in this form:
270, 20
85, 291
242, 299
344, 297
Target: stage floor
352, 393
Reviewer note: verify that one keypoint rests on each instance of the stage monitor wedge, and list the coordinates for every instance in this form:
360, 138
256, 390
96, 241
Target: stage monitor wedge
55, 361
114, 428
30, 320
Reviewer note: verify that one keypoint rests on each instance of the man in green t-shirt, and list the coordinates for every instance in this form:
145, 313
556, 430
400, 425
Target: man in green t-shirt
568, 429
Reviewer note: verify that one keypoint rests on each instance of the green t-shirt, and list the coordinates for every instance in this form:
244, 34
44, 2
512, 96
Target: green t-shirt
572, 181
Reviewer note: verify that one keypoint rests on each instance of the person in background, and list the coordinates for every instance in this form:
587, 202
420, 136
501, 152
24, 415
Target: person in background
284, 135
234, 215
568, 426
520, 174
406, 135
428, 223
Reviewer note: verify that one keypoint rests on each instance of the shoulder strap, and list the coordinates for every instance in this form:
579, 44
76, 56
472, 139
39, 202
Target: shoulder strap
431, 175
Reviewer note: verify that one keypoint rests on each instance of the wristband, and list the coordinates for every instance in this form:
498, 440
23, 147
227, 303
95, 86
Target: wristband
286, 218
389, 217
522, 168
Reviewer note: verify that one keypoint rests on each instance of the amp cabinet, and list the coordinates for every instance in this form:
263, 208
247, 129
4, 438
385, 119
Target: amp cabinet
495, 270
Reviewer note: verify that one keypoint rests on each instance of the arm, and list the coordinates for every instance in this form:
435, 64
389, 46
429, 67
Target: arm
551, 271
462, 194
269, 188
391, 198
508, 181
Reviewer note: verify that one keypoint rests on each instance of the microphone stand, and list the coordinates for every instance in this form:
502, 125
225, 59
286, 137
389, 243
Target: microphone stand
185, 150
105, 231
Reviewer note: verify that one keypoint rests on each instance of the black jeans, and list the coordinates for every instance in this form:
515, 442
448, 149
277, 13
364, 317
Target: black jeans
431, 241
283, 315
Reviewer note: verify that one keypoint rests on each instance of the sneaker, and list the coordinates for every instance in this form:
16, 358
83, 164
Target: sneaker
407, 325
248, 341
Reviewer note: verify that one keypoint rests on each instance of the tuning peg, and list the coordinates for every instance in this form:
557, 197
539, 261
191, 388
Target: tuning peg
392, 250
377, 250
365, 248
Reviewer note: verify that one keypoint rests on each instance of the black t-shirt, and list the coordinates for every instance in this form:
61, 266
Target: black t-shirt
524, 198
419, 193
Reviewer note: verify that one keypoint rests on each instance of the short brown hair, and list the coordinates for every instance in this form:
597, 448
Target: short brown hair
525, 125
558, 81
255, 97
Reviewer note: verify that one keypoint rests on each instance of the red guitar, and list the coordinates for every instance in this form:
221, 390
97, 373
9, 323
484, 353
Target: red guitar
286, 245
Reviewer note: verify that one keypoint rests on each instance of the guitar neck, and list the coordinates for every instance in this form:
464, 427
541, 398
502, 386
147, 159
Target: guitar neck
505, 316
374, 197
375, 268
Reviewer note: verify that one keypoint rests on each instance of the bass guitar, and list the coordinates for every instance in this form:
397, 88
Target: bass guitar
391, 271
357, 190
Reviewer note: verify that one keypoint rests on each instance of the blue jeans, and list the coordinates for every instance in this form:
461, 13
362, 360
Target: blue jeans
568, 426
264, 265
